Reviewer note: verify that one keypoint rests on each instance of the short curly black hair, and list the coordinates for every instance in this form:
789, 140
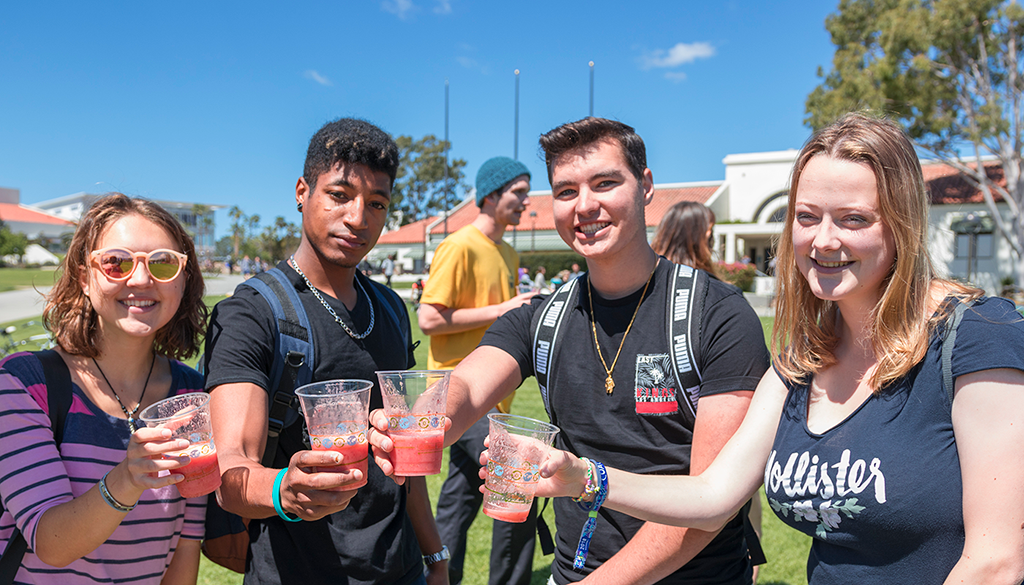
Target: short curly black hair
350, 140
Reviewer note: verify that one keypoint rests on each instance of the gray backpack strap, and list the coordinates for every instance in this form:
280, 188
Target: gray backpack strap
948, 341
546, 325
686, 294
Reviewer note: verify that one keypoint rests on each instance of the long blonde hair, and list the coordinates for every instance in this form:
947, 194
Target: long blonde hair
804, 336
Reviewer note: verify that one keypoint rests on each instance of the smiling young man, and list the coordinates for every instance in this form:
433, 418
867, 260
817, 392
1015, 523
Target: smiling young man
303, 531
609, 386
472, 282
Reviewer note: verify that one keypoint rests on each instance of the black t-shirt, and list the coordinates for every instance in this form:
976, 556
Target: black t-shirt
372, 540
614, 429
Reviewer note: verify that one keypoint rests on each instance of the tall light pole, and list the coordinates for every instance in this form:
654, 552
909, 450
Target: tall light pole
533, 231
446, 173
515, 147
591, 88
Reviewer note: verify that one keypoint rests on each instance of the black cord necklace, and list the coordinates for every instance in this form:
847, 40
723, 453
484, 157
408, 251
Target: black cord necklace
131, 421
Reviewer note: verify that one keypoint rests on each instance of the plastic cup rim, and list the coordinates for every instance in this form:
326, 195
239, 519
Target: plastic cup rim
503, 418
368, 386
187, 413
413, 373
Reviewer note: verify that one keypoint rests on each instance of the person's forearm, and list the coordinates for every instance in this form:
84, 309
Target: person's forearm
436, 321
422, 518
69, 531
655, 552
184, 567
246, 487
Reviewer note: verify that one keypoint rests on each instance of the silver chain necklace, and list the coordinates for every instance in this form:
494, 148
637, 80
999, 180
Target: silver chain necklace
337, 319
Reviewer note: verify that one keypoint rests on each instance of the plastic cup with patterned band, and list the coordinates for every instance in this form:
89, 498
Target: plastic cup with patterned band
415, 402
336, 414
188, 417
517, 447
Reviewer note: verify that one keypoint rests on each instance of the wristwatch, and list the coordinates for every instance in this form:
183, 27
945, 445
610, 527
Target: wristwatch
444, 555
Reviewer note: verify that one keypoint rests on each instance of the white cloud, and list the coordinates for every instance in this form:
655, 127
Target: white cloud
401, 8
675, 76
315, 76
443, 7
680, 54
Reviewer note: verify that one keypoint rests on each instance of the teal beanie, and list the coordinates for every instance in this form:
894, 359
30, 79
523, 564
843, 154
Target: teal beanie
495, 174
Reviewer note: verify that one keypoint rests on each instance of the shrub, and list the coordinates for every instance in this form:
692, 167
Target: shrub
739, 274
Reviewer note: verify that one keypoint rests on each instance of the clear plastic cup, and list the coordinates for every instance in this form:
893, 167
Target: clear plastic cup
336, 414
188, 417
517, 447
415, 403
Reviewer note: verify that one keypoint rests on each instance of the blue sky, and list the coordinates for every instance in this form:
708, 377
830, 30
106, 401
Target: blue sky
215, 101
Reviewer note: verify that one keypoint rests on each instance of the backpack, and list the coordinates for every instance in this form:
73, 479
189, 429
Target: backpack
685, 304
58, 401
227, 537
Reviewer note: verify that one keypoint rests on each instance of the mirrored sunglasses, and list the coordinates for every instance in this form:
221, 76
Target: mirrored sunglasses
119, 264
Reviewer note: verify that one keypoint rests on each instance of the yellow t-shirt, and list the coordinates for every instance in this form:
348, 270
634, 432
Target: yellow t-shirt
468, 271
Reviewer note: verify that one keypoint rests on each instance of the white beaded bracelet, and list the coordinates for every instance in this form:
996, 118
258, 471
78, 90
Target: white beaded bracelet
110, 499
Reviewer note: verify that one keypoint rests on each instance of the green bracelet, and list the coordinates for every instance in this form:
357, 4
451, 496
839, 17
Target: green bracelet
276, 497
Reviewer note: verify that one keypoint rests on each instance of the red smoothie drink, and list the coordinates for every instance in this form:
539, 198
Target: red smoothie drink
354, 455
417, 452
507, 511
202, 474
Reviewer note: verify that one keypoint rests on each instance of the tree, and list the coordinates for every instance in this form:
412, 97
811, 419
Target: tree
278, 240
204, 227
238, 224
951, 72
422, 188
11, 243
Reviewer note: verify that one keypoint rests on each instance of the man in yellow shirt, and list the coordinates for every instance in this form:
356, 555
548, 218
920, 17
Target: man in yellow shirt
473, 279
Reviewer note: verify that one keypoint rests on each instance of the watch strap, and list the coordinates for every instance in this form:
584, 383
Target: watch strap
442, 555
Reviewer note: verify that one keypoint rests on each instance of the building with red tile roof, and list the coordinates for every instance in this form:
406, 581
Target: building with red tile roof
35, 223
750, 205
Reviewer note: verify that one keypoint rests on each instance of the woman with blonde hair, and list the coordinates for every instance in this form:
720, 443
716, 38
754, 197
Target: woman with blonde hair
897, 476
102, 507
684, 235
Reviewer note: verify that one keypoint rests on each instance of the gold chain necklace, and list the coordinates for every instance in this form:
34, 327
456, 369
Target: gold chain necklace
609, 384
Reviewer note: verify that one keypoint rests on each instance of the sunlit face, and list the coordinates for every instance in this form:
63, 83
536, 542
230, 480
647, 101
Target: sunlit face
843, 247
139, 306
344, 215
598, 204
510, 203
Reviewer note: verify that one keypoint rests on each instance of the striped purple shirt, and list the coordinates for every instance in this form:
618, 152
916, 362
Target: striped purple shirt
34, 478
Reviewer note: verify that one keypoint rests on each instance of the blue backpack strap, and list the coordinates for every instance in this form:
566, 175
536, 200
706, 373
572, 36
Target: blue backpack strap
685, 309
293, 353
545, 327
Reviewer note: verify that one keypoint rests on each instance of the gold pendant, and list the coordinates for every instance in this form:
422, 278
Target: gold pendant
609, 385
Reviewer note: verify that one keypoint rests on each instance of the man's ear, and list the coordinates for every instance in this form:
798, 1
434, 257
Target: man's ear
648, 186
301, 192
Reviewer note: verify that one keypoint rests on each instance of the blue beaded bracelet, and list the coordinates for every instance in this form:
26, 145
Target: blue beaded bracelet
591, 509
276, 497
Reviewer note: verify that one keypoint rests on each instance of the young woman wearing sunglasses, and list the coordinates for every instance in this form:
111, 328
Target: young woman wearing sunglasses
103, 507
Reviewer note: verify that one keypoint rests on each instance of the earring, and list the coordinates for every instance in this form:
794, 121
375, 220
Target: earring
298, 208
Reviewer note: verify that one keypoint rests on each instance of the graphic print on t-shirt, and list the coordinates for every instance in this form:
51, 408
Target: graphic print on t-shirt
655, 391
834, 486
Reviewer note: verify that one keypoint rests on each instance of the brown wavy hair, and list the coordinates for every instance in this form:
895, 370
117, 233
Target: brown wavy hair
70, 316
804, 335
682, 235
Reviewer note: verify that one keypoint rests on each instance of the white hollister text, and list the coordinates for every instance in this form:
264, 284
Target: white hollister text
803, 475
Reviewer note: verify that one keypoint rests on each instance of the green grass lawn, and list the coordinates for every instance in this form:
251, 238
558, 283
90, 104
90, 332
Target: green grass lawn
15, 278
785, 548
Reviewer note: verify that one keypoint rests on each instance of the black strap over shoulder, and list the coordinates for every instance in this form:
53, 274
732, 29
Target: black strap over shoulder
948, 342
58, 399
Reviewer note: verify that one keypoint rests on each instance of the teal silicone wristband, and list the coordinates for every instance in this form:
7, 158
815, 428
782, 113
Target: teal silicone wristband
276, 497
